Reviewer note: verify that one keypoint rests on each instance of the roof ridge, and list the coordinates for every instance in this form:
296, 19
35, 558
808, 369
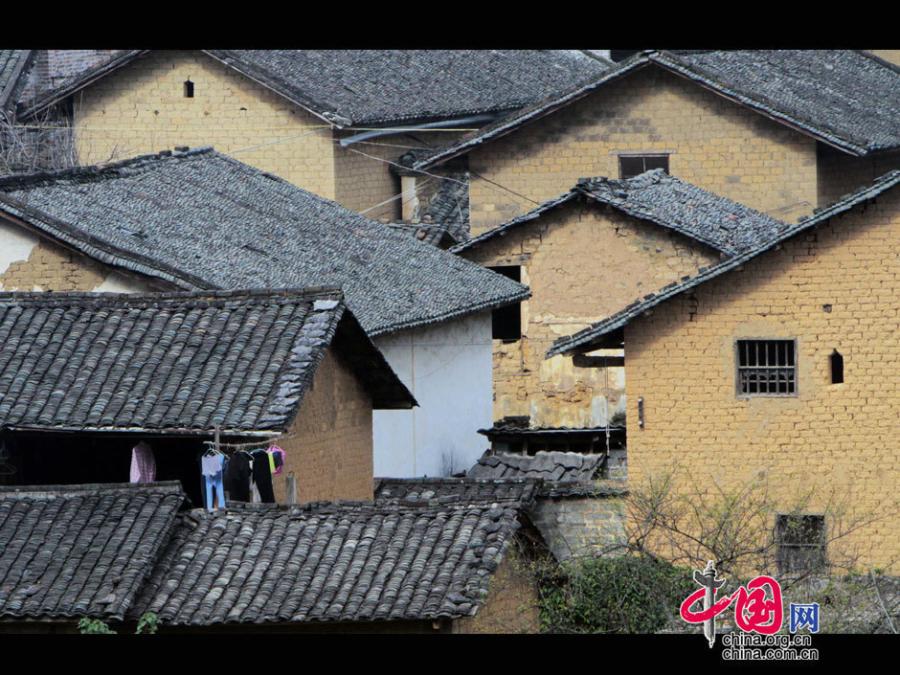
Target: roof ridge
511, 480
100, 170
77, 488
111, 298
620, 198
361, 507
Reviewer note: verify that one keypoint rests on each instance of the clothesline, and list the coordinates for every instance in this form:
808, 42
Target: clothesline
262, 443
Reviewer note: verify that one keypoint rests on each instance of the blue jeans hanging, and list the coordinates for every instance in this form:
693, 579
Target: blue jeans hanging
214, 482
212, 468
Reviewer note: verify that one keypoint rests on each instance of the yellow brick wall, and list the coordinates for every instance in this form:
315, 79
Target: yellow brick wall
329, 445
892, 55
714, 144
142, 109
511, 605
582, 263
364, 184
840, 174
52, 268
836, 440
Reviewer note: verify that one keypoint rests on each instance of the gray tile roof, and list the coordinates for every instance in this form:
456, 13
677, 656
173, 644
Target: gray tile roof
654, 196
585, 338
13, 66
378, 87
80, 550
199, 219
545, 465
455, 490
179, 362
329, 562
845, 98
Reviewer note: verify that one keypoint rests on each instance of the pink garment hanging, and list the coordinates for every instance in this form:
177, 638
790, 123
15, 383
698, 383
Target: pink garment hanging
275, 450
143, 464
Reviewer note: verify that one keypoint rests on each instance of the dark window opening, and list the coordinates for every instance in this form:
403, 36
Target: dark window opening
635, 165
617, 55
506, 322
66, 459
188, 89
837, 367
801, 543
766, 368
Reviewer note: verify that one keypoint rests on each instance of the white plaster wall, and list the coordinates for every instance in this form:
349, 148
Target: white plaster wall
448, 368
15, 245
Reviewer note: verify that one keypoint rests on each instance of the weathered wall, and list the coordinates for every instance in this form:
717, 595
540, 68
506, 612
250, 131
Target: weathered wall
582, 263
447, 367
580, 526
31, 263
142, 109
365, 171
363, 180
840, 174
512, 601
713, 143
839, 439
329, 445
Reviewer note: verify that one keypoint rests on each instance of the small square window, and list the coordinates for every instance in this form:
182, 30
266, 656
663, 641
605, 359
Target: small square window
506, 322
635, 165
801, 543
766, 368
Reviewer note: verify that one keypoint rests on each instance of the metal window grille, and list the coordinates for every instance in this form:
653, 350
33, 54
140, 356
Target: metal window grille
801, 543
766, 367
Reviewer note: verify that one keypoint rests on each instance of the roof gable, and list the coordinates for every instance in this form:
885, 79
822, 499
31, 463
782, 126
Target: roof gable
844, 98
199, 219
13, 67
180, 362
356, 87
81, 550
584, 339
656, 197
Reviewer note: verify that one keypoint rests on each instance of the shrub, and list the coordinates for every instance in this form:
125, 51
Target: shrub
627, 594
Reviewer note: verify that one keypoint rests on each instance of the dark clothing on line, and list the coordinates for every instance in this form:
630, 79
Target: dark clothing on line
237, 477
262, 476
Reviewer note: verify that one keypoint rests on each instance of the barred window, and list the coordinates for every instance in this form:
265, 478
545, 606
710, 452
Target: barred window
635, 165
801, 543
766, 368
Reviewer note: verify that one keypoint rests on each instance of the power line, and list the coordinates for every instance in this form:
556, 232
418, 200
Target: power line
454, 180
